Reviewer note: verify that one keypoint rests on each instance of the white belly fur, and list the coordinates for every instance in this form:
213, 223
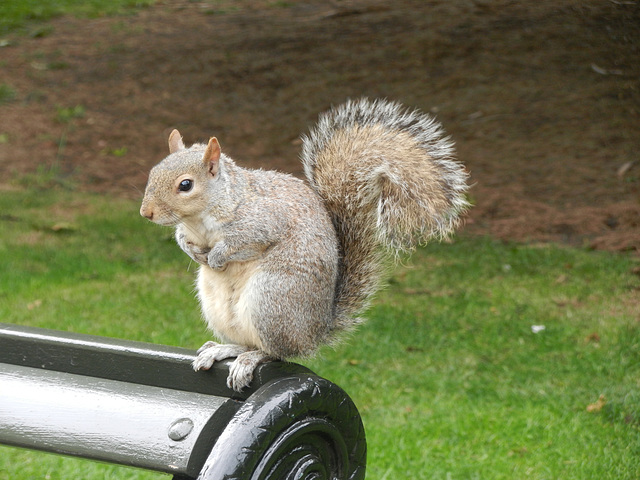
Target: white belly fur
225, 297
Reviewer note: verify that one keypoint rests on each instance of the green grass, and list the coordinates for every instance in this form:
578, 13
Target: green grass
453, 383
448, 375
7, 93
16, 14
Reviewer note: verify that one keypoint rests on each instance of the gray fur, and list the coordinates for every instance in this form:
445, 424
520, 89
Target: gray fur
383, 197
286, 268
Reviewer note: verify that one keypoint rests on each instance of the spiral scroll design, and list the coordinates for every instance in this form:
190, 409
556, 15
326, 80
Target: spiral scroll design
311, 449
300, 427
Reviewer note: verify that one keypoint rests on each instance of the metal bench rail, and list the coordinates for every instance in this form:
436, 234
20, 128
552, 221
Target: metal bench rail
142, 405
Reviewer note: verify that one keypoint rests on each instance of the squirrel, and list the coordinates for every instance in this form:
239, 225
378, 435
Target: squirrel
287, 266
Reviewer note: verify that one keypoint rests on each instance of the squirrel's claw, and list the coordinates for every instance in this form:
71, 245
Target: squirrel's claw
239, 377
203, 362
198, 254
206, 345
242, 368
240, 371
212, 352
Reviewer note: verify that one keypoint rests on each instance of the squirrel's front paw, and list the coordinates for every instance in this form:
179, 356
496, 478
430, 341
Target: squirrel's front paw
198, 254
217, 258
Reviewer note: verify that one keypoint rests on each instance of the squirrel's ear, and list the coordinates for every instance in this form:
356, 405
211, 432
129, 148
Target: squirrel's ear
212, 155
175, 142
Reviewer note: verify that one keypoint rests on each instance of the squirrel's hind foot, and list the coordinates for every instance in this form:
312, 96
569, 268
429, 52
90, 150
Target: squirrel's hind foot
241, 370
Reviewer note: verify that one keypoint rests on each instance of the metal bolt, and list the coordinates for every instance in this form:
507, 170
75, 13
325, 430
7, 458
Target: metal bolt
180, 429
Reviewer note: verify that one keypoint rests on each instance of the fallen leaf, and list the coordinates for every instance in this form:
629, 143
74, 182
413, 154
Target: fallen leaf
597, 405
561, 279
605, 71
521, 451
593, 337
411, 348
63, 227
625, 167
34, 304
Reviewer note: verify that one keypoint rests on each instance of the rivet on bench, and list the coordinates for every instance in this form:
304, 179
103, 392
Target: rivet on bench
180, 429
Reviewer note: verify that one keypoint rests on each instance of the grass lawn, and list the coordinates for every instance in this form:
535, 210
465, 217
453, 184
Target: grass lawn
448, 374
481, 360
15, 14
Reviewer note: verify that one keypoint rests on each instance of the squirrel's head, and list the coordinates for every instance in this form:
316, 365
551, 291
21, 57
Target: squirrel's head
178, 186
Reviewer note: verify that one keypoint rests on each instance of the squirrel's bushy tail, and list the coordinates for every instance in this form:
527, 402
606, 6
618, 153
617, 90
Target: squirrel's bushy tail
390, 181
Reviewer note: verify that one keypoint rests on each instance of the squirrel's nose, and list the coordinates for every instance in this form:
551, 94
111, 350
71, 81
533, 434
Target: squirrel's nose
146, 212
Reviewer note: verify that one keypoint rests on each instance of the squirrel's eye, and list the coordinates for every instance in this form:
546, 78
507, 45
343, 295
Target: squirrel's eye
185, 185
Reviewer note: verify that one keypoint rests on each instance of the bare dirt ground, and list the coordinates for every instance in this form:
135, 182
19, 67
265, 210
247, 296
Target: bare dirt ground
542, 98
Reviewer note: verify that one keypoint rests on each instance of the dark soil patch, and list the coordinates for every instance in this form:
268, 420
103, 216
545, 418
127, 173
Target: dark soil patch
542, 98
